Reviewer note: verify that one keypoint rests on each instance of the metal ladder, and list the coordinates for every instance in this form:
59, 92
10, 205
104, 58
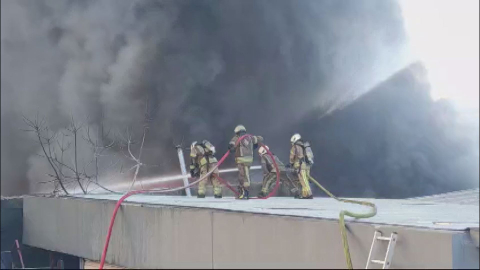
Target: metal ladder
392, 240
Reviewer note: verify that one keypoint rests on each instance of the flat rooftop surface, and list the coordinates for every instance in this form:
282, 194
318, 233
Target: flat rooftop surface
470, 196
410, 213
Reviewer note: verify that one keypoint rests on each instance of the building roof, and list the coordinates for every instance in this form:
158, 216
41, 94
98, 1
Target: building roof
412, 212
470, 196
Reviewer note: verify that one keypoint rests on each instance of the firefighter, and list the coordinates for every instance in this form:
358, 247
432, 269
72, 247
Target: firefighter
202, 161
301, 160
270, 172
243, 158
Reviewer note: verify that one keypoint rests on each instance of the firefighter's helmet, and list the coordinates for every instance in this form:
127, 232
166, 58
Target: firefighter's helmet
193, 144
240, 128
295, 138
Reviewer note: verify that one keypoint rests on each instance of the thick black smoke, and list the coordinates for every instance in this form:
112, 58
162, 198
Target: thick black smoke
395, 142
203, 66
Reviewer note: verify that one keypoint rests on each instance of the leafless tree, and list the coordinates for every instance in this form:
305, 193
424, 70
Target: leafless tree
39, 127
74, 129
128, 142
54, 147
98, 147
128, 139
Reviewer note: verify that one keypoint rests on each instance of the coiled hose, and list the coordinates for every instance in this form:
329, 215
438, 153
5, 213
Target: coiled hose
343, 213
130, 193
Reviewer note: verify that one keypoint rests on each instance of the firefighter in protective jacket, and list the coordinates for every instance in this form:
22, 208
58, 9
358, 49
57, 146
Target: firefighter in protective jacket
270, 172
202, 161
301, 160
243, 158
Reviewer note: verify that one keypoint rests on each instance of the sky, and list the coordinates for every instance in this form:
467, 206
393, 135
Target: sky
444, 34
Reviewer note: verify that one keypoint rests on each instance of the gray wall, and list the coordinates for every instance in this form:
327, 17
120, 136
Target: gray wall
152, 236
11, 222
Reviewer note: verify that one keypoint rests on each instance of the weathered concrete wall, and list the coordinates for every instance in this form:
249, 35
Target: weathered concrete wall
153, 236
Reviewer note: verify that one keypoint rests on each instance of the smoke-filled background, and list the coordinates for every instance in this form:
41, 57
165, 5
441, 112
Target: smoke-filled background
338, 72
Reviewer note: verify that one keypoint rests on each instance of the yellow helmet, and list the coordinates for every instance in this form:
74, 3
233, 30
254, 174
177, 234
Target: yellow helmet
239, 128
262, 151
295, 138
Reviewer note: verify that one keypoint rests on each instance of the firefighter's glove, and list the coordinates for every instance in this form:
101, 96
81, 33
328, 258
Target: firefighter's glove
192, 173
289, 166
231, 148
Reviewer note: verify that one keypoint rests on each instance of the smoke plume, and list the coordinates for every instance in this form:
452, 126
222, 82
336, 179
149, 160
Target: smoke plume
203, 67
395, 142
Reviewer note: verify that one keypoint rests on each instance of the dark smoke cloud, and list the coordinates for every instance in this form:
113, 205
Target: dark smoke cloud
395, 142
204, 66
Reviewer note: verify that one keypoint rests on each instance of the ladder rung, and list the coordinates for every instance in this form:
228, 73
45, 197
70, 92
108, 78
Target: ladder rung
388, 256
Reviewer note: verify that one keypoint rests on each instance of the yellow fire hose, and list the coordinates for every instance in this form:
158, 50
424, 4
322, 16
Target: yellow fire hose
344, 213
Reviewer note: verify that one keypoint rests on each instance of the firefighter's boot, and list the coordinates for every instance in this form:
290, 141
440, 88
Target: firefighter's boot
242, 193
245, 194
201, 196
295, 192
262, 194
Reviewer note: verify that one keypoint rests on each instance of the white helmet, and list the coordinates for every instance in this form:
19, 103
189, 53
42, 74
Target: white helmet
262, 151
295, 138
193, 144
239, 128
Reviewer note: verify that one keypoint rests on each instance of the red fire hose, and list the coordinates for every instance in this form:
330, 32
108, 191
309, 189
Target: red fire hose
128, 194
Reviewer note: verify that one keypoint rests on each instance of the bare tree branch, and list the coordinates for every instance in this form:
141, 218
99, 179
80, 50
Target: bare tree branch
36, 126
97, 148
80, 173
74, 130
137, 160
